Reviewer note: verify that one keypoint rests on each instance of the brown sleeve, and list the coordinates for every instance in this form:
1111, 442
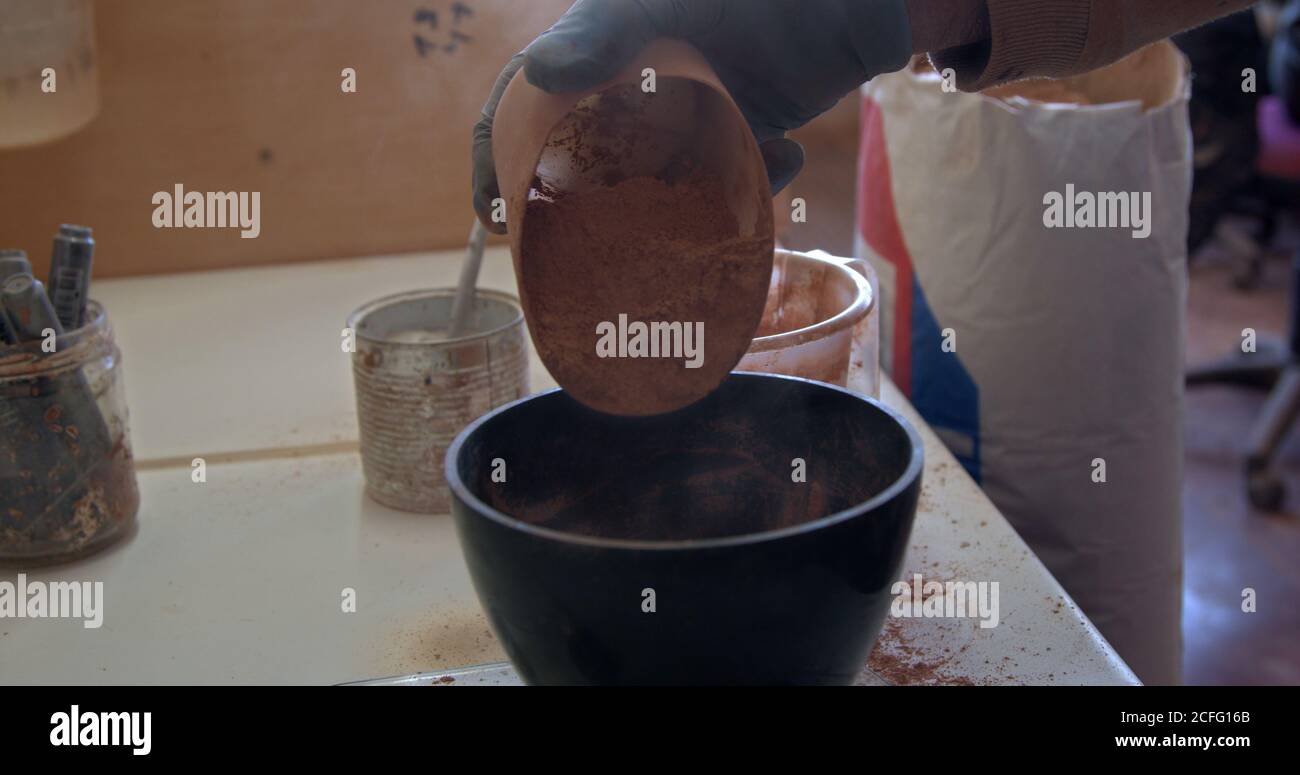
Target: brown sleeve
1057, 38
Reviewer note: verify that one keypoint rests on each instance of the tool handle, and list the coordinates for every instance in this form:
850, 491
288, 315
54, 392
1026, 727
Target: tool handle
462, 308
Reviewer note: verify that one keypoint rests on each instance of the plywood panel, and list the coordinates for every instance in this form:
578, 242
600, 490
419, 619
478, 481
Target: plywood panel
244, 95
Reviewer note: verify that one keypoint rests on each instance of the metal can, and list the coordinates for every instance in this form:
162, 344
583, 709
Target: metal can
417, 389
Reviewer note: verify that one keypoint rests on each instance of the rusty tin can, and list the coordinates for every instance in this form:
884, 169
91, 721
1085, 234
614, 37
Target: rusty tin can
416, 389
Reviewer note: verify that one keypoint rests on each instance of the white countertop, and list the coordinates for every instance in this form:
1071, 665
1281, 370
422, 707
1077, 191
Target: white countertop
240, 579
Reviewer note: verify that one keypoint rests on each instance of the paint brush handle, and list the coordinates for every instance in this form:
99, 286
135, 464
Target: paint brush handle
462, 308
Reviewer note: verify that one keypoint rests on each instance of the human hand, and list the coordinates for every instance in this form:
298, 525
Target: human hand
785, 62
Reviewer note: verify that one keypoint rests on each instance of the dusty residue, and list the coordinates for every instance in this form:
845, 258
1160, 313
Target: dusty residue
899, 659
441, 639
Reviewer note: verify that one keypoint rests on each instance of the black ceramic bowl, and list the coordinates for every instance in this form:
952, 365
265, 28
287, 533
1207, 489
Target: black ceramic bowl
755, 577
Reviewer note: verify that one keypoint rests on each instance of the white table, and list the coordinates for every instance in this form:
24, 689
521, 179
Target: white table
240, 579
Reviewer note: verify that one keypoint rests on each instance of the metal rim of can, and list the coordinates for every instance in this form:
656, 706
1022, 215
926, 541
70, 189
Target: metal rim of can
359, 315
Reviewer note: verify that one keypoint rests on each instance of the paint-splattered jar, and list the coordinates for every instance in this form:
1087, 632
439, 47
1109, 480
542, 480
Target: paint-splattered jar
67, 477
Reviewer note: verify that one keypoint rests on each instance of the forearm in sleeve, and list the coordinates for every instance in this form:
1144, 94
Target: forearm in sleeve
1050, 38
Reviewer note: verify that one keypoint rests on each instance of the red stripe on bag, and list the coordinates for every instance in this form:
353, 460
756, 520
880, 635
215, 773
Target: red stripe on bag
878, 224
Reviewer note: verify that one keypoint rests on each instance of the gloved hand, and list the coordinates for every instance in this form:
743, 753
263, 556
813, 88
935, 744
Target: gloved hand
785, 62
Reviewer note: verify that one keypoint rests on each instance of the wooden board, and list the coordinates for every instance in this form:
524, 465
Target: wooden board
244, 95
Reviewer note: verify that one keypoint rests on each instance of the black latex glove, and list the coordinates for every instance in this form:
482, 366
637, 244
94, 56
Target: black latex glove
785, 62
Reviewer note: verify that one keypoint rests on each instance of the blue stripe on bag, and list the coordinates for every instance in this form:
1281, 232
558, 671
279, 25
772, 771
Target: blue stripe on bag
942, 390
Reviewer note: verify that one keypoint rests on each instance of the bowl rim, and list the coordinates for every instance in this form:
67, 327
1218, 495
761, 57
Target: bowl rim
857, 310
461, 492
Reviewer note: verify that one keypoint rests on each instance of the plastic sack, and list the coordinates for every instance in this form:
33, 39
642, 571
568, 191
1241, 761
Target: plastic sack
1047, 351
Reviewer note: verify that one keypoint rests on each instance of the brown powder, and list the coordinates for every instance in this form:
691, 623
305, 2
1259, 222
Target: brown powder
897, 660
690, 495
666, 248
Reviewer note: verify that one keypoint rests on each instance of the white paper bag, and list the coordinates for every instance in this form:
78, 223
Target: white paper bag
1049, 359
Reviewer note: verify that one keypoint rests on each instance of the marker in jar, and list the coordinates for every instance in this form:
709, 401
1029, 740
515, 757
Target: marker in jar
28, 310
70, 267
12, 262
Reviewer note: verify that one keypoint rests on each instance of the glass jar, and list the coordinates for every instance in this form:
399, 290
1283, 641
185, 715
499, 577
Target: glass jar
67, 477
46, 43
